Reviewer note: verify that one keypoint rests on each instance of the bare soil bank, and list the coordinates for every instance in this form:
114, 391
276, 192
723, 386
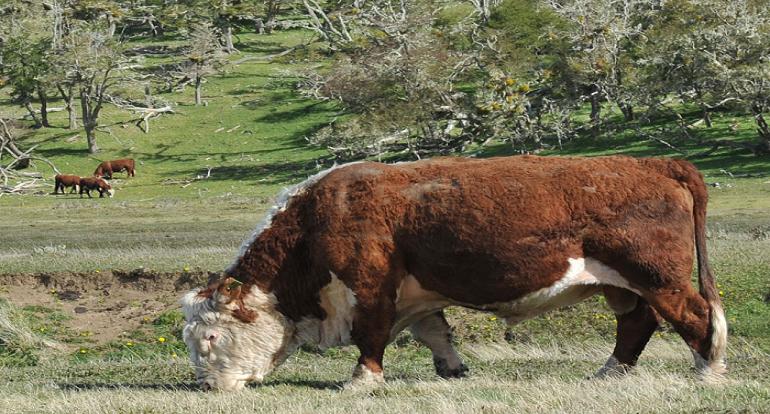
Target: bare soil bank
104, 304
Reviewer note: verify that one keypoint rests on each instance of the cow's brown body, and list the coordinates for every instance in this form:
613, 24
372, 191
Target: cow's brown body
107, 168
498, 235
88, 184
61, 181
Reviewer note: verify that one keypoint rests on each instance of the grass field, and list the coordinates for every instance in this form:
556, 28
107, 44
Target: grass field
251, 135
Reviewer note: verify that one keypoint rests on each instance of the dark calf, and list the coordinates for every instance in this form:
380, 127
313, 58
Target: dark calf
95, 183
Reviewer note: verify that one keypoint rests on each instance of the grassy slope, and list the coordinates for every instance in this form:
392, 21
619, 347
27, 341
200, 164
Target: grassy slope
169, 227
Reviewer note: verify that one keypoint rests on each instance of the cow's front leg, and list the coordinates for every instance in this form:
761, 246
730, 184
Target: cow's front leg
371, 333
434, 332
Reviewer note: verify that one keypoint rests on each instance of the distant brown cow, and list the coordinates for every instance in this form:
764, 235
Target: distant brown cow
65, 180
106, 168
95, 183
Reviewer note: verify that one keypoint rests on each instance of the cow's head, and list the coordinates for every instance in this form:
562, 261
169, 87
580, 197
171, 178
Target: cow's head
235, 334
106, 187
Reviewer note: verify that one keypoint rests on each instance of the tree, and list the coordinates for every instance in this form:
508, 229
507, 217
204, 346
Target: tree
712, 53
204, 55
95, 65
25, 56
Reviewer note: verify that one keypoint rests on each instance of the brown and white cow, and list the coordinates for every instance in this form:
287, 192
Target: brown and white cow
95, 183
360, 252
107, 168
66, 180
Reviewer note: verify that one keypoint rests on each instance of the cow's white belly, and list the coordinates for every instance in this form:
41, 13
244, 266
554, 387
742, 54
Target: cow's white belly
583, 278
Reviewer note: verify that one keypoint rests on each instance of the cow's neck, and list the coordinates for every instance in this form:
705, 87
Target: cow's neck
278, 263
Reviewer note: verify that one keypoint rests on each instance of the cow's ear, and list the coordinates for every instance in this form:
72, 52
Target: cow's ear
228, 290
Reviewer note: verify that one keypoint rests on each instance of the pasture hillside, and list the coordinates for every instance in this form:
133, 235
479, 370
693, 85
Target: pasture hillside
88, 308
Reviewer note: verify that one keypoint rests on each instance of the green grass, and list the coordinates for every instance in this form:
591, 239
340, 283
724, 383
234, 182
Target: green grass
157, 223
507, 378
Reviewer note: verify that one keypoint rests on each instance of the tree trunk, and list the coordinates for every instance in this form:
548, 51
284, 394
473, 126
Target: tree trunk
272, 10
89, 124
68, 97
229, 48
628, 112
259, 26
43, 106
91, 138
147, 96
763, 147
596, 109
198, 82
111, 25
707, 116
31, 110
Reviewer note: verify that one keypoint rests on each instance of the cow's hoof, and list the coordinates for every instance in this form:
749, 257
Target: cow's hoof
444, 371
612, 369
364, 379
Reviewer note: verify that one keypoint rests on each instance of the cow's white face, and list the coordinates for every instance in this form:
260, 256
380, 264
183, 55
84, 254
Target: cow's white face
226, 351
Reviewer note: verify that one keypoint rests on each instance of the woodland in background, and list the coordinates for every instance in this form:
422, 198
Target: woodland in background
421, 77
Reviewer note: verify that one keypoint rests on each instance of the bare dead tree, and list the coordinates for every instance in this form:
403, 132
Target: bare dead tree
13, 180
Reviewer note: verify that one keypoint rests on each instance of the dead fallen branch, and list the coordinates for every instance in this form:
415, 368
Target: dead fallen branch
145, 112
13, 180
267, 58
186, 182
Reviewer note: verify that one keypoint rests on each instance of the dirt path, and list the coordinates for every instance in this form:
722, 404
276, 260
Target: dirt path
107, 303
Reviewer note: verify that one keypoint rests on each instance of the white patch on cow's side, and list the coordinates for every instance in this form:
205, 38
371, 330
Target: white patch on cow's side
282, 201
339, 302
363, 377
581, 280
226, 352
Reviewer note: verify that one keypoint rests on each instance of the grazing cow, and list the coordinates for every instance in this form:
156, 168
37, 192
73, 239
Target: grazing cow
95, 183
65, 180
360, 252
106, 168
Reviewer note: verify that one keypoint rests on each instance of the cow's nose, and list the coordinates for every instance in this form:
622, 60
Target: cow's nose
206, 386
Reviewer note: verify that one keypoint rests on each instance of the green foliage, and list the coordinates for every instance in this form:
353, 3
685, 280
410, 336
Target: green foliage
24, 62
528, 36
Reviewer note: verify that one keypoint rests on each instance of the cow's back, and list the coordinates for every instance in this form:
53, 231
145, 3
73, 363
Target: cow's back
481, 230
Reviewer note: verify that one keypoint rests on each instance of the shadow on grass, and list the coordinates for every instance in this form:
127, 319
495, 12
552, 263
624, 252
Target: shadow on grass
318, 385
274, 173
186, 386
191, 386
260, 46
291, 115
737, 161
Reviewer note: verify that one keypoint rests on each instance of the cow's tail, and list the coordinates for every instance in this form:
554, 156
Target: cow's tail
714, 366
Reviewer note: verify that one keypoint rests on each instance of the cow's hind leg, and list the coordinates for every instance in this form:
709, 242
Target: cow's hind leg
636, 322
434, 331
